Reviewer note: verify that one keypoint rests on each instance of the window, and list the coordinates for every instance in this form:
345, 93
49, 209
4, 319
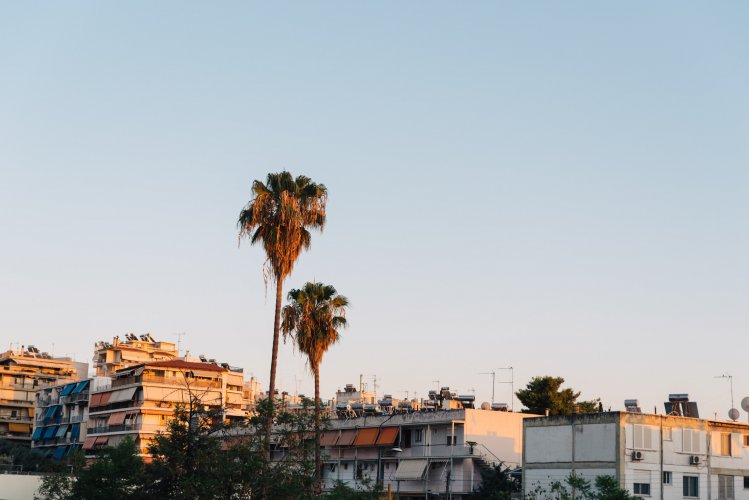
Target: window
642, 488
725, 444
667, 477
667, 433
417, 435
725, 487
691, 486
746, 482
643, 439
406, 439
746, 439
691, 440
452, 440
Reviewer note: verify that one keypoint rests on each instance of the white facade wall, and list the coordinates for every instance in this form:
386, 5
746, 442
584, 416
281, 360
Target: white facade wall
638, 449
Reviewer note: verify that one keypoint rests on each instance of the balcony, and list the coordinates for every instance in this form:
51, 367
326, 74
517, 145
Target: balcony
178, 381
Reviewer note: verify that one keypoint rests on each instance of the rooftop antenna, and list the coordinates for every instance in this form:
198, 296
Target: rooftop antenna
512, 386
494, 375
179, 341
438, 385
733, 413
374, 385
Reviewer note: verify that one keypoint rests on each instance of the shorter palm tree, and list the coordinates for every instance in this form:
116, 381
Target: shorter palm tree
313, 317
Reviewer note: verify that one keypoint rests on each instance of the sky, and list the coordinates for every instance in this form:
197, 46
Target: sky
557, 187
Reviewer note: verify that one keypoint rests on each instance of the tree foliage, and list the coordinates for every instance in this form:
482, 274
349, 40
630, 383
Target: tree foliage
497, 483
545, 392
575, 487
199, 458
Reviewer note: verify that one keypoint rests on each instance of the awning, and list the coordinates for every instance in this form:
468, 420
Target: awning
49, 432
66, 390
387, 436
328, 438
37, 434
101, 441
95, 398
410, 470
50, 411
347, 437
59, 452
62, 430
122, 395
89, 443
80, 386
117, 418
14, 427
104, 401
366, 437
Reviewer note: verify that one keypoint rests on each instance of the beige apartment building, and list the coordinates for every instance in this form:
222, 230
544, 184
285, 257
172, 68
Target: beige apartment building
141, 399
118, 354
22, 372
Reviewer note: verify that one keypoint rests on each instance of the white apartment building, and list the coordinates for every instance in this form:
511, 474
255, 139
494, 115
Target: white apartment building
425, 453
653, 456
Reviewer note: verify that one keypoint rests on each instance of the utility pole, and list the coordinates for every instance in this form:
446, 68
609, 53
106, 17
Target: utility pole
494, 375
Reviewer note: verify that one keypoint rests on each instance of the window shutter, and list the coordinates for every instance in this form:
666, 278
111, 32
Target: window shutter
735, 444
715, 444
686, 440
647, 438
696, 442
637, 436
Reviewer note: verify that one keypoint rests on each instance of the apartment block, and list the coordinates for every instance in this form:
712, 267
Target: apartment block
110, 357
653, 456
22, 372
140, 400
422, 453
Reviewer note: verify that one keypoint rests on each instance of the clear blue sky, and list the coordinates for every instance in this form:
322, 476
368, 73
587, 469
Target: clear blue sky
561, 187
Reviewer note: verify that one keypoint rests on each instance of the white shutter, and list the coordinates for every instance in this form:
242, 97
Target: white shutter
715, 443
696, 441
647, 438
686, 440
735, 444
637, 437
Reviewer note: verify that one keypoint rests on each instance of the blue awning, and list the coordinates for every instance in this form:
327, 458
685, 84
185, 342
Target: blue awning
66, 390
75, 432
62, 430
50, 412
59, 452
80, 386
37, 434
50, 432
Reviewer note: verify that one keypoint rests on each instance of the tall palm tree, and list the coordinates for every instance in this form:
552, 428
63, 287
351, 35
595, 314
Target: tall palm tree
280, 215
314, 316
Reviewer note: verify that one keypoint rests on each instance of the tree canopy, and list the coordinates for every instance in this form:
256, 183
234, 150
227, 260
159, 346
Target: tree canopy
546, 393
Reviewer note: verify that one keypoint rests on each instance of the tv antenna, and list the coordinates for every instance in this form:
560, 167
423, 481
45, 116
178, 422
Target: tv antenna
733, 413
179, 341
494, 376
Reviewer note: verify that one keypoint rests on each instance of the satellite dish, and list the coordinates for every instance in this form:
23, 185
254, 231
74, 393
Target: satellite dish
733, 414
745, 404
486, 406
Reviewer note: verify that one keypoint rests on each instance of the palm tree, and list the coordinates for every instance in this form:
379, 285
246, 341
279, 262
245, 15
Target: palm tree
314, 316
280, 215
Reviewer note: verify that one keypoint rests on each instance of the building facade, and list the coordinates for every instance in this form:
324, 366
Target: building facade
110, 357
22, 373
140, 400
652, 456
436, 453
61, 418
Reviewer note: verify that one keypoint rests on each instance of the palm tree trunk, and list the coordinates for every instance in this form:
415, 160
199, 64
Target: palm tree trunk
274, 360
318, 461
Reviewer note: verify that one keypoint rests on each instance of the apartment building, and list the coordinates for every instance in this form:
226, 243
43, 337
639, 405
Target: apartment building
62, 416
140, 400
653, 456
22, 372
133, 350
422, 453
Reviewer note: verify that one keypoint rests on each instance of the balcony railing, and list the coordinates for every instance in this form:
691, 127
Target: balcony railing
178, 380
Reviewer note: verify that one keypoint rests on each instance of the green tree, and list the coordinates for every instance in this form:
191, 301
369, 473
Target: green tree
313, 317
545, 393
280, 215
607, 488
116, 474
497, 483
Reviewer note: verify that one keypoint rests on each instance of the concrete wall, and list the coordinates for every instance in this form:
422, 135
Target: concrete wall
18, 486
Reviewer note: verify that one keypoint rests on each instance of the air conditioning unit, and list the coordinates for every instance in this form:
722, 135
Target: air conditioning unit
694, 460
636, 455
